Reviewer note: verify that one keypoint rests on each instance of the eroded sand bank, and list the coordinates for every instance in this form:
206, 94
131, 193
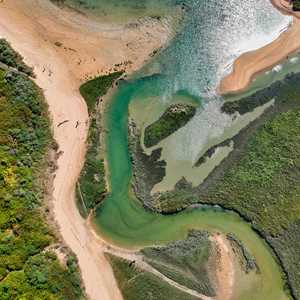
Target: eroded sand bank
249, 64
65, 48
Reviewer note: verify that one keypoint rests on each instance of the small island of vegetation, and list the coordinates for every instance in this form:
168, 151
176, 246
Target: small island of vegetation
175, 117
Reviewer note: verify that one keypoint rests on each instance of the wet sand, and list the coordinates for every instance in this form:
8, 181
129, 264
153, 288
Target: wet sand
250, 64
65, 49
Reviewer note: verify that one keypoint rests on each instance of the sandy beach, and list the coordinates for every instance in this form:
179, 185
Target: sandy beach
65, 49
249, 64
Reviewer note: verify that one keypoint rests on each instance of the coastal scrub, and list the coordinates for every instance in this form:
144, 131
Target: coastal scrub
175, 117
91, 186
135, 283
27, 269
184, 261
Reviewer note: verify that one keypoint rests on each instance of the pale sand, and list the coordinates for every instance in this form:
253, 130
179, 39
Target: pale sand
32, 27
249, 64
225, 272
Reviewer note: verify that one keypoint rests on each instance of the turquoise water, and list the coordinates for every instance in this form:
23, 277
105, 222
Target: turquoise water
212, 34
123, 220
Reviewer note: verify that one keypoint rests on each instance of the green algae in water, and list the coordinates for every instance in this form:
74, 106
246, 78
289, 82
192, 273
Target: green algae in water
123, 220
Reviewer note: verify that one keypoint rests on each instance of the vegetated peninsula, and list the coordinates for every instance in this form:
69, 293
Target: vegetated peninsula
91, 186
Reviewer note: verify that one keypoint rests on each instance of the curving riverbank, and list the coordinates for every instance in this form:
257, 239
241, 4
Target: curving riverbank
122, 220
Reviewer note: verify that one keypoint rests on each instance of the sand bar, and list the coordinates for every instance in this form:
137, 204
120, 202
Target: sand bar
249, 64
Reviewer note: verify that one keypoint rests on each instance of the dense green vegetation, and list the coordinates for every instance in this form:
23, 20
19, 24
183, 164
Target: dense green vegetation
175, 117
264, 184
262, 179
185, 262
93, 89
27, 270
287, 247
13, 59
136, 284
247, 261
91, 186
243, 106
296, 5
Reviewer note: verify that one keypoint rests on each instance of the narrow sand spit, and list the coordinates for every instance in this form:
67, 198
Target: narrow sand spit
249, 64
225, 268
64, 48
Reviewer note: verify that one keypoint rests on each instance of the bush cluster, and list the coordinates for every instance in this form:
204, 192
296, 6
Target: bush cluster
13, 59
27, 270
175, 117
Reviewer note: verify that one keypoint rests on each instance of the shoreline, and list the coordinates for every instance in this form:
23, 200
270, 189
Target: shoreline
247, 66
69, 53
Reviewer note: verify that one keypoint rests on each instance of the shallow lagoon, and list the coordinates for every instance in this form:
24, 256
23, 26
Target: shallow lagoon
211, 35
124, 221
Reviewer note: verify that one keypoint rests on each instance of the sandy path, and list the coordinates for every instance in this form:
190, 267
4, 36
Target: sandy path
33, 27
249, 64
225, 268
134, 255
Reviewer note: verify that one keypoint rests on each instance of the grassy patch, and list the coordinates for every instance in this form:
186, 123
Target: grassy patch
175, 117
91, 186
26, 270
13, 59
184, 261
98, 87
137, 284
